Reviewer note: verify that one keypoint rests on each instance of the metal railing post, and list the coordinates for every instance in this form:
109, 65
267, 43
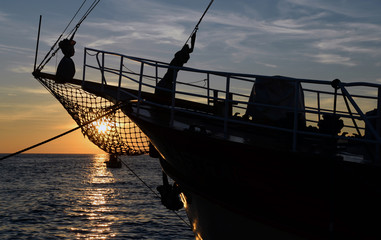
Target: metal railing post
140, 87
378, 124
318, 105
120, 77
296, 116
173, 97
362, 115
103, 71
227, 103
156, 73
84, 67
208, 87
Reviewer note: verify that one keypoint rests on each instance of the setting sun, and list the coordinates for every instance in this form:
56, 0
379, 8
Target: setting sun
102, 126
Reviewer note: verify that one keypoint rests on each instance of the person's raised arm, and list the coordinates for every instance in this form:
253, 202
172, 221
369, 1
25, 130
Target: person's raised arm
193, 40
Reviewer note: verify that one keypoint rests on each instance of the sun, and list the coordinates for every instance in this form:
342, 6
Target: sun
102, 126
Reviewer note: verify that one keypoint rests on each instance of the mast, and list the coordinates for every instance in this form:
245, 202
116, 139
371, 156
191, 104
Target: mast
38, 41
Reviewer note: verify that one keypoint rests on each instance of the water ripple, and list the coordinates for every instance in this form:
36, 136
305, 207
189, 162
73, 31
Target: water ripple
77, 197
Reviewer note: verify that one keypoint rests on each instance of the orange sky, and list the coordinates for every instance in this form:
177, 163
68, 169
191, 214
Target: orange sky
38, 117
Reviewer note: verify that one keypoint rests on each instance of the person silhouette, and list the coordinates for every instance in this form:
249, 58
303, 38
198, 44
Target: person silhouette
181, 57
66, 68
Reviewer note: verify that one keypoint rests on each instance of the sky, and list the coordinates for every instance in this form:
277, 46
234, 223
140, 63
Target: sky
315, 39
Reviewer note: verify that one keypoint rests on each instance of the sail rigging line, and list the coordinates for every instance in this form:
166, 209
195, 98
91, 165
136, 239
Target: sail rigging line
89, 10
72, 32
199, 21
140, 179
153, 191
112, 110
59, 38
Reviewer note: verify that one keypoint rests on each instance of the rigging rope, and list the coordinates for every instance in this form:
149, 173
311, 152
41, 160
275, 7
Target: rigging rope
53, 49
113, 109
153, 191
74, 30
115, 134
199, 21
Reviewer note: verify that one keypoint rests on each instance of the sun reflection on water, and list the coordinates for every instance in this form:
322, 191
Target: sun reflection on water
94, 205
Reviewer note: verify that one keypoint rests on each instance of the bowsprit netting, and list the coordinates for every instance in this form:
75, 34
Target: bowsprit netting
114, 133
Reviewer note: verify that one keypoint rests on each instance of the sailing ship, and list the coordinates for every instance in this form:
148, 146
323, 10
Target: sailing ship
251, 156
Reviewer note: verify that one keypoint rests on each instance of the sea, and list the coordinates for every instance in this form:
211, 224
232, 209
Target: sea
57, 196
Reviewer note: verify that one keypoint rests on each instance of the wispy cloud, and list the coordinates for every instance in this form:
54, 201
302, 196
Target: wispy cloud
27, 112
323, 32
3, 16
334, 59
19, 91
354, 9
267, 65
22, 69
14, 49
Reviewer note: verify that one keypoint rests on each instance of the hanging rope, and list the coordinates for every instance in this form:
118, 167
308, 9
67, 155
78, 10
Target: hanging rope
153, 191
53, 50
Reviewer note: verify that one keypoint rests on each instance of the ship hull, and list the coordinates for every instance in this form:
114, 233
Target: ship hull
213, 220
266, 172
235, 189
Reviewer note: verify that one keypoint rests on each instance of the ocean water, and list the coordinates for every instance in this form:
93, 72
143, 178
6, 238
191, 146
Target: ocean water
44, 196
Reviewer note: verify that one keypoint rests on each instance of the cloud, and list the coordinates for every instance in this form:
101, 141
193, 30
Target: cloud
20, 91
349, 45
353, 8
334, 59
22, 69
267, 65
298, 28
163, 23
136, 31
28, 112
3, 17
14, 49
360, 38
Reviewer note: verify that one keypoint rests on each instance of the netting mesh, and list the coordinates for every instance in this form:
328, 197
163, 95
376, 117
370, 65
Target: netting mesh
114, 133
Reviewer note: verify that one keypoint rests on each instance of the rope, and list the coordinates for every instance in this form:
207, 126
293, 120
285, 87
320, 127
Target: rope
74, 16
89, 10
153, 191
135, 73
73, 31
203, 80
140, 179
113, 109
42, 64
199, 21
115, 134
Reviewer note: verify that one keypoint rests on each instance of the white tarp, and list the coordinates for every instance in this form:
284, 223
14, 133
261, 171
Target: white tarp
276, 91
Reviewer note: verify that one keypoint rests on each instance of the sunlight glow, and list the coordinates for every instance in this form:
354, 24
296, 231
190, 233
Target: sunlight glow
102, 126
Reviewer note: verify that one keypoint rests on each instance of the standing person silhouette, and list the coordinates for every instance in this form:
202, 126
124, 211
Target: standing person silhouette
181, 57
66, 68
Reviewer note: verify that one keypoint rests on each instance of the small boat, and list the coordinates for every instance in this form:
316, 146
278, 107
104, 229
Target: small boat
253, 156
113, 162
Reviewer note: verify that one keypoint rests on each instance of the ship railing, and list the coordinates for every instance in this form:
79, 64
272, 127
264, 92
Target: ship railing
220, 91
